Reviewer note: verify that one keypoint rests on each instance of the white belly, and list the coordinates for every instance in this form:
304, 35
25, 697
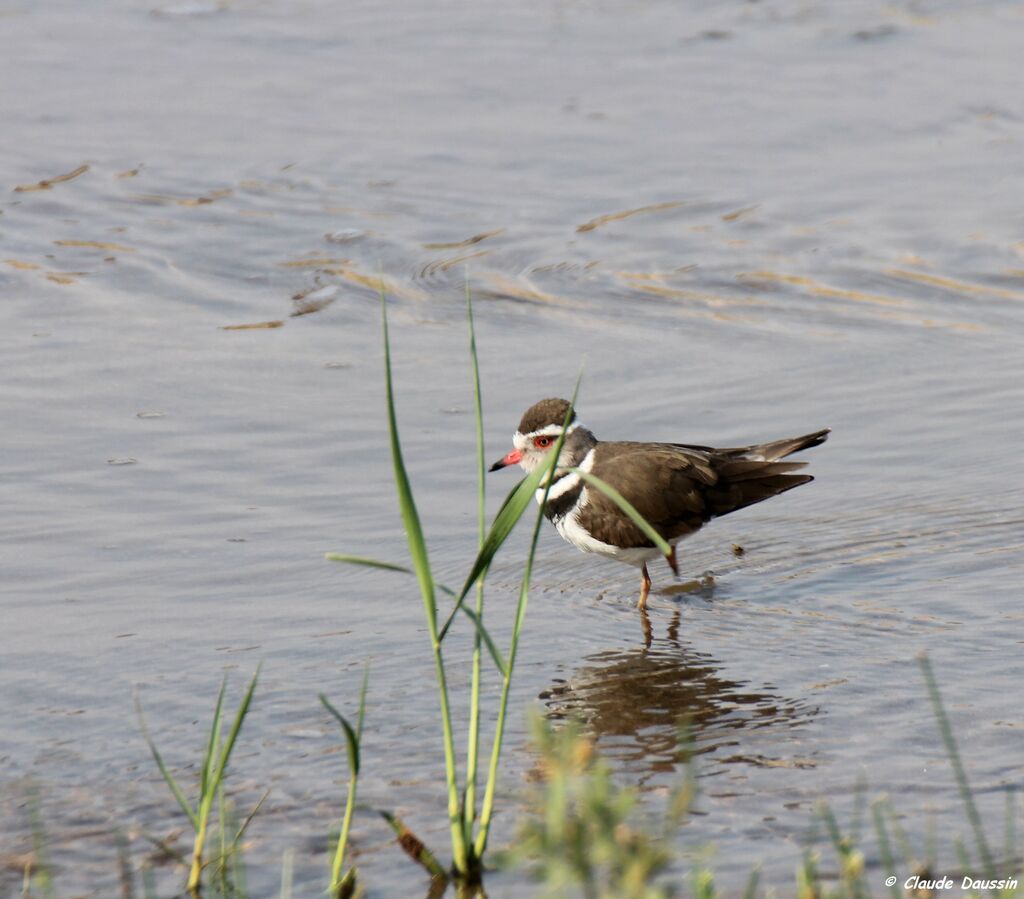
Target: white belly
571, 531
569, 527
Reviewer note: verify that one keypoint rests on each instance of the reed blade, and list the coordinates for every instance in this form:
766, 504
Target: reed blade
421, 564
344, 885
209, 757
351, 738
172, 784
884, 846
367, 562
487, 807
492, 647
946, 731
236, 727
511, 511
379, 563
407, 505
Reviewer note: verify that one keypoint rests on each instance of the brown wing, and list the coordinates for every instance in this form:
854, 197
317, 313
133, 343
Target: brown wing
678, 488
767, 452
666, 484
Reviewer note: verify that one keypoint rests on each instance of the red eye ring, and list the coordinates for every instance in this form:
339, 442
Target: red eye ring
543, 442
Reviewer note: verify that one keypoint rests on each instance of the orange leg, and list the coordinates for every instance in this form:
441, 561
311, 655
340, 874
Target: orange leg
645, 626
645, 588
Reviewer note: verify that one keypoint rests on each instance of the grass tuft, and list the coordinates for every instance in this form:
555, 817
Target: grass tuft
214, 765
343, 885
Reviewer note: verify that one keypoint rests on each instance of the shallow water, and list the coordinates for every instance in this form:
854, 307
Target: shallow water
749, 220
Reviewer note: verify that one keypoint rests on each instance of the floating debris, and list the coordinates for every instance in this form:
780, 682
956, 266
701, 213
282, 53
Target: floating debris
629, 213
149, 414
954, 285
823, 290
873, 34
345, 235
47, 183
95, 245
443, 265
125, 461
254, 326
206, 199
317, 292
468, 242
314, 300
737, 214
184, 10
313, 262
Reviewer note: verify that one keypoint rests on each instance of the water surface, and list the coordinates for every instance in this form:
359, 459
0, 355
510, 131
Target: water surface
750, 220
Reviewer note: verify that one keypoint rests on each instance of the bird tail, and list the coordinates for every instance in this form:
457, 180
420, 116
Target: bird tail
779, 449
752, 474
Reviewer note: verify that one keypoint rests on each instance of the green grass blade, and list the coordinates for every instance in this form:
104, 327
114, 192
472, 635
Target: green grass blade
860, 804
287, 873
407, 506
172, 784
125, 872
626, 507
211, 754
478, 415
1010, 829
421, 564
342, 886
347, 885
236, 727
492, 647
751, 891
378, 563
511, 511
351, 737
369, 563
214, 776
832, 826
38, 871
362, 703
244, 826
885, 847
481, 635
946, 731
487, 806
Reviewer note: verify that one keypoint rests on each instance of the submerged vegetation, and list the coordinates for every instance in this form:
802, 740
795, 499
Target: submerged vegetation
582, 833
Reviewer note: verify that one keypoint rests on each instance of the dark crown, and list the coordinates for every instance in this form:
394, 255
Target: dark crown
546, 412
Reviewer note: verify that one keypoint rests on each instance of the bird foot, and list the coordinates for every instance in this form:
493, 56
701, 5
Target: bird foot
645, 588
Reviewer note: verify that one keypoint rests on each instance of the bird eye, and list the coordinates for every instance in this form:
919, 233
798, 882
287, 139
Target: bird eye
543, 442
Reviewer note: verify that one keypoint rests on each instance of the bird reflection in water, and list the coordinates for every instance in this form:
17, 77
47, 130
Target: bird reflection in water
635, 699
